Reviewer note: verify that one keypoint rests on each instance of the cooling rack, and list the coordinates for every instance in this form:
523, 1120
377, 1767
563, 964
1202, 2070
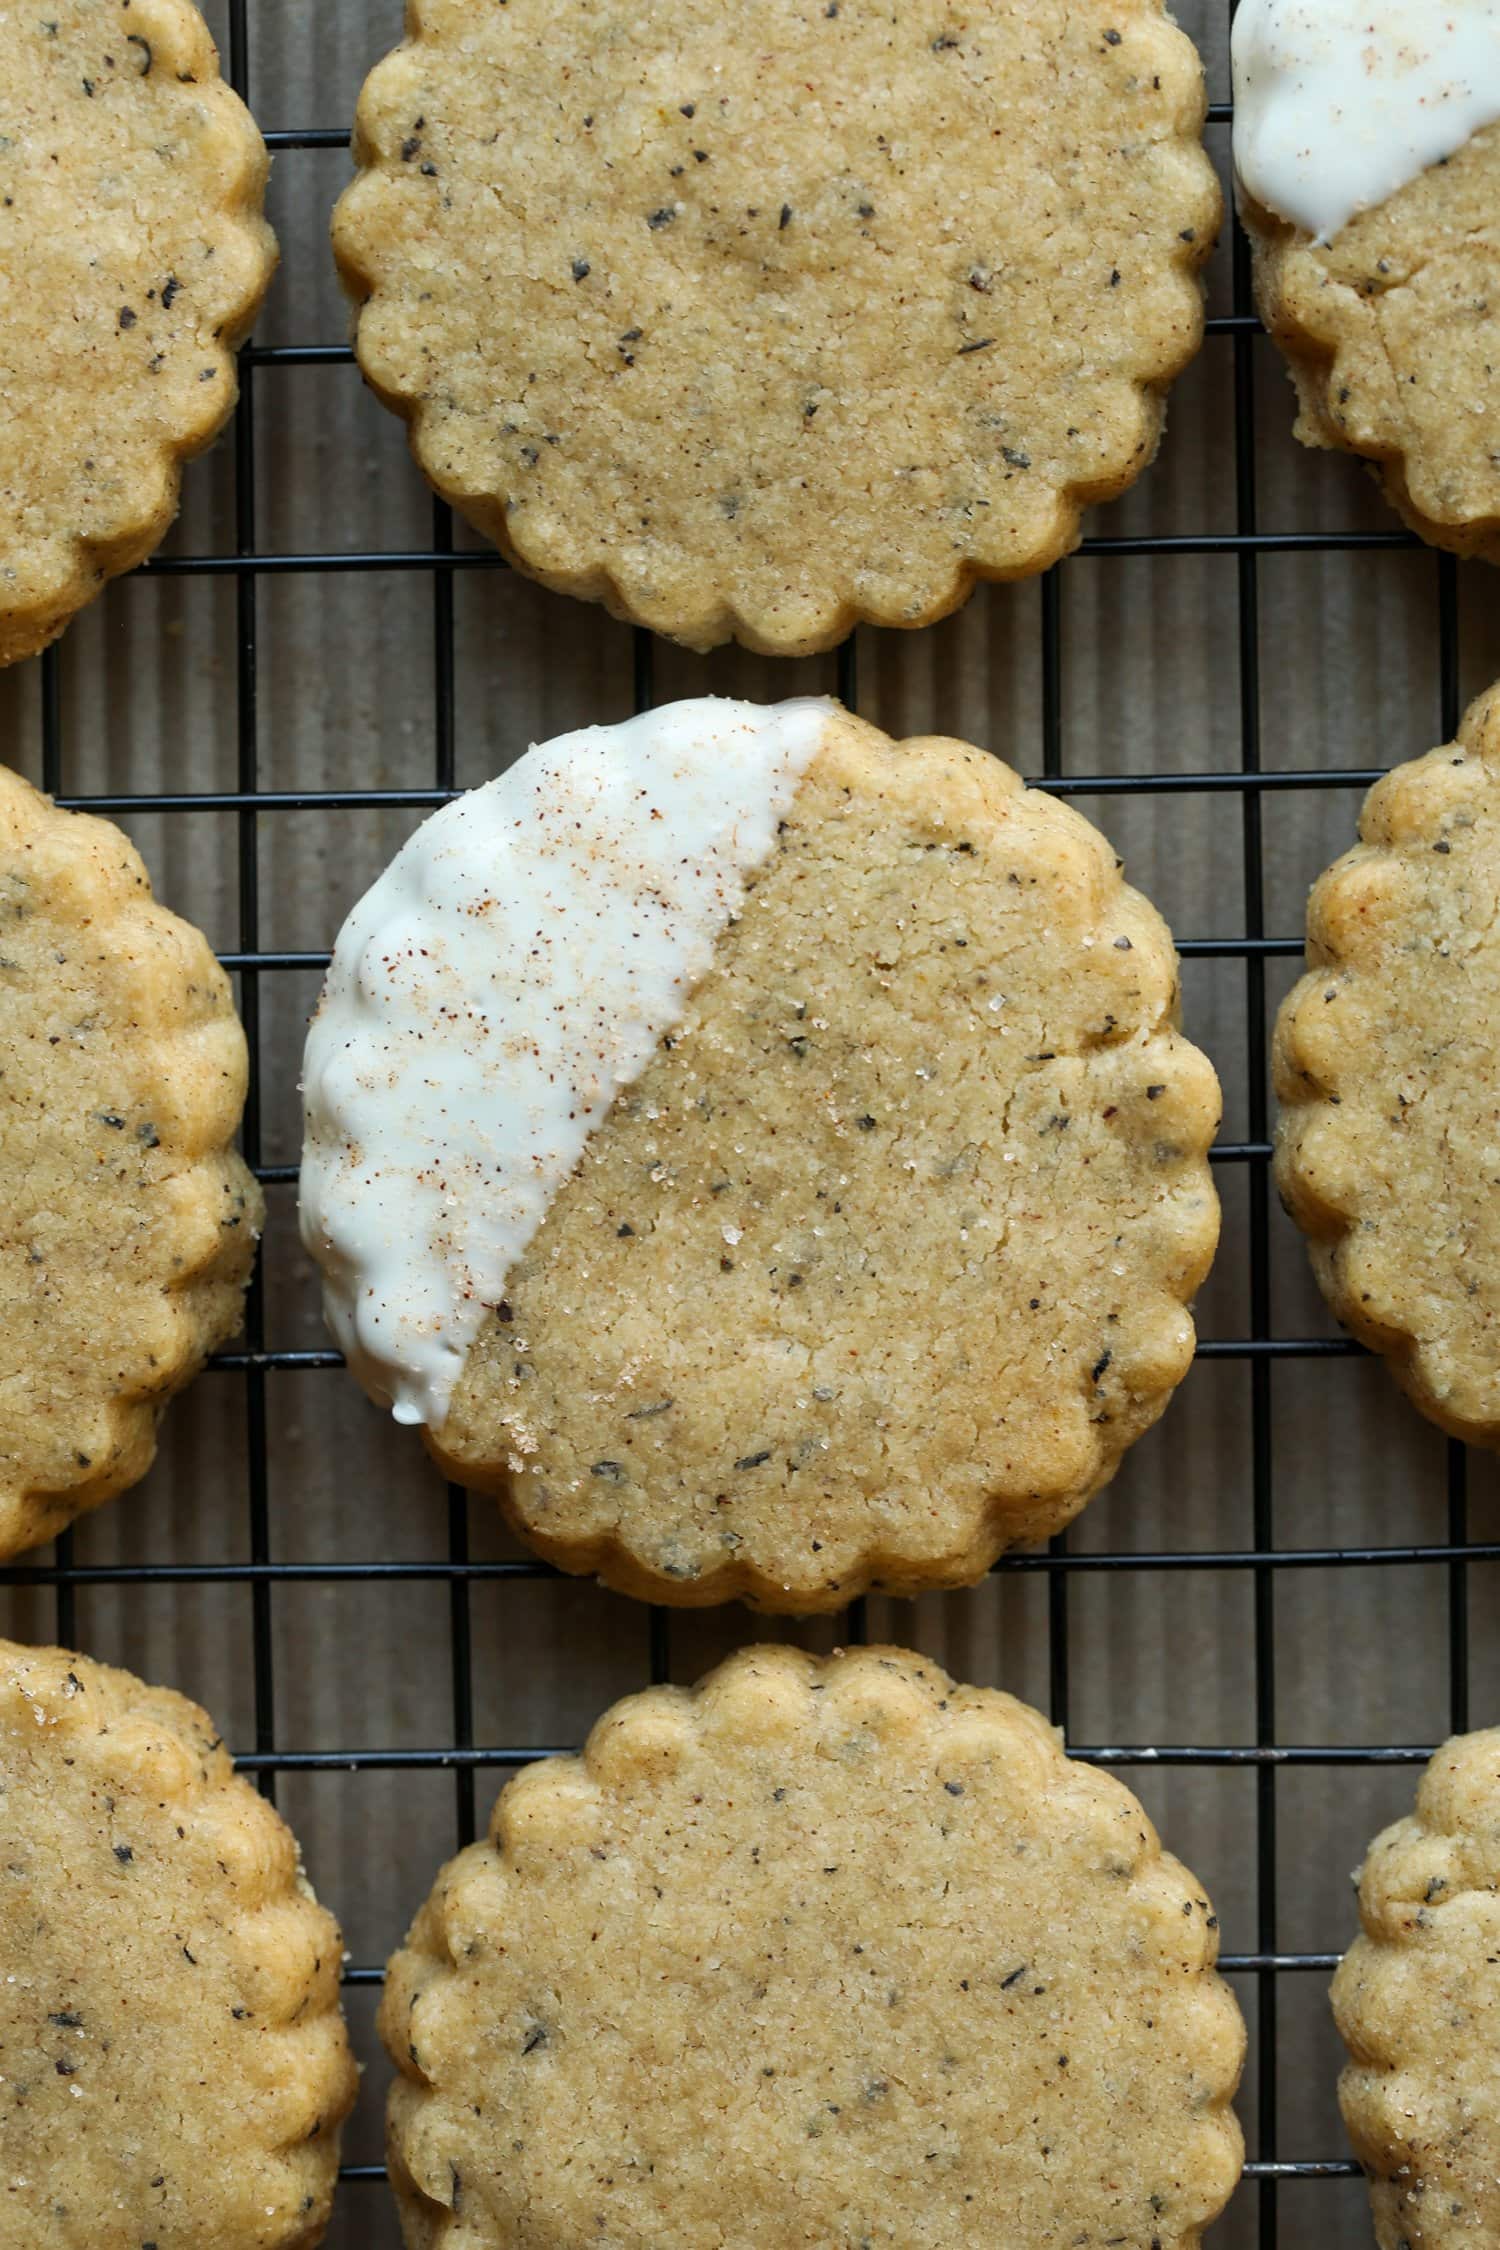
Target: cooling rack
1263, 1966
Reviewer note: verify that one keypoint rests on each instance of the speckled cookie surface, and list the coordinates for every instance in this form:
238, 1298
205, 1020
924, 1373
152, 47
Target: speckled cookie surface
819, 1953
1392, 333
1386, 1063
127, 1223
173, 2065
761, 320
133, 256
884, 1260
1418, 2002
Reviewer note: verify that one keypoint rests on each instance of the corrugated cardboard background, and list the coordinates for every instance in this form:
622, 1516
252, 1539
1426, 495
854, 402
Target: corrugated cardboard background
1151, 673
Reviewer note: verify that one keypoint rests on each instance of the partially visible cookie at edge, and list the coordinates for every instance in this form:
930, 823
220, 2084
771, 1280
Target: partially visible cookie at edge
761, 321
173, 2063
127, 1222
1369, 162
843, 1243
823, 1951
1386, 1067
1417, 1999
133, 258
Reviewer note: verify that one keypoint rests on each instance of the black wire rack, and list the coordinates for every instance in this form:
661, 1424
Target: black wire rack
256, 1364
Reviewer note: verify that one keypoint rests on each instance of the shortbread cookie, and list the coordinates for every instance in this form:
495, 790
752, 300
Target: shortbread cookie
826, 1952
1367, 147
127, 1223
763, 1153
133, 257
173, 2064
1386, 1062
1418, 2002
760, 320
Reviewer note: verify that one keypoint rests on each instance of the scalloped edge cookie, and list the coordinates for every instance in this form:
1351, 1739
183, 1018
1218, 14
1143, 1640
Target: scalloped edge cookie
682, 592
169, 996
554, 1820
66, 568
1348, 395
830, 1546
1351, 915
1418, 2092
172, 1810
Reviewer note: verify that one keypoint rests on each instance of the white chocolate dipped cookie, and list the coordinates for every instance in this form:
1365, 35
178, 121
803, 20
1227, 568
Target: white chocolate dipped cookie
762, 1153
1367, 150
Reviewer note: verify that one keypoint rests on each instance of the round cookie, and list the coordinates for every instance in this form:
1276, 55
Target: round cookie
133, 258
1385, 1063
820, 1952
760, 321
1377, 248
127, 1223
173, 2063
1417, 1999
862, 1251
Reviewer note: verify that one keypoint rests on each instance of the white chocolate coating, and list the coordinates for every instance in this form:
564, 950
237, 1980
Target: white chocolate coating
1338, 103
510, 972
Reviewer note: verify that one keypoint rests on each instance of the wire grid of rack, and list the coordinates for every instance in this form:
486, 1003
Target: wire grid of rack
1263, 1962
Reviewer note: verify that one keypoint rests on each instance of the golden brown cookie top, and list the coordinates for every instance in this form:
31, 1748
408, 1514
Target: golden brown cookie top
760, 320
1391, 342
127, 1223
133, 257
884, 1258
762, 1152
1386, 1062
173, 2064
1418, 2002
828, 1951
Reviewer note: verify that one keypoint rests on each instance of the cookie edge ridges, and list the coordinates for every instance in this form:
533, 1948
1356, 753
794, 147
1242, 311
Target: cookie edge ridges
1314, 364
85, 566
615, 1558
721, 618
1392, 819
773, 1690
1395, 1903
32, 1512
178, 1755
